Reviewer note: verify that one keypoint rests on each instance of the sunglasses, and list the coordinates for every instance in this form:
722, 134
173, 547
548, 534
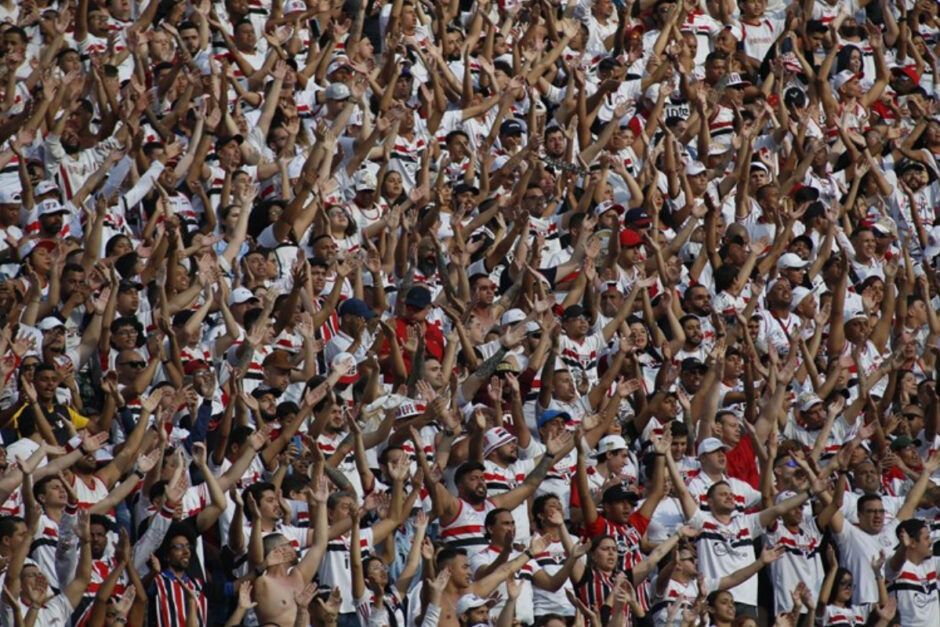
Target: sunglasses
133, 364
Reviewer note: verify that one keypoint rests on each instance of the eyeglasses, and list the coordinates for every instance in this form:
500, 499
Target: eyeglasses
845, 583
181, 546
133, 364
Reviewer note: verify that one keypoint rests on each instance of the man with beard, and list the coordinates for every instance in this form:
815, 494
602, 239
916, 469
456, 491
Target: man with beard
51, 219
811, 417
504, 470
175, 591
712, 456
692, 347
778, 325
698, 302
462, 516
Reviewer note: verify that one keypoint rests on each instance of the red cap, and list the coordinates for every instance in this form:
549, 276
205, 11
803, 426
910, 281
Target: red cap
195, 366
630, 238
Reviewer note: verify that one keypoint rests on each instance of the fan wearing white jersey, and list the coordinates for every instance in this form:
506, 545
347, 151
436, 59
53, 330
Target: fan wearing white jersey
872, 535
726, 541
911, 575
462, 516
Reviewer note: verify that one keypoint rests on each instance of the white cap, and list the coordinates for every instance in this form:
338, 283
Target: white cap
44, 187
51, 206
808, 400
715, 149
48, 323
337, 63
10, 196
852, 313
240, 295
610, 443
532, 327
734, 79
366, 182
408, 408
348, 360
294, 6
512, 316
336, 91
468, 602
694, 168
710, 445
842, 78
606, 205
791, 260
495, 438
798, 294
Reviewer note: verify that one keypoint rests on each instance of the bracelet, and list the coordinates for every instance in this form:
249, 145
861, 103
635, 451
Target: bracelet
140, 473
529, 553
83, 450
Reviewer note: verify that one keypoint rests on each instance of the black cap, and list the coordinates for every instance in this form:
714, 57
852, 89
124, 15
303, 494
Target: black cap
692, 363
619, 492
572, 312
222, 141
127, 284
511, 126
418, 297
462, 187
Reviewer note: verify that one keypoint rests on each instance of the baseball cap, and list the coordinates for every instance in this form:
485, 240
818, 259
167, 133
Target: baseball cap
694, 168
469, 602
366, 182
338, 63
512, 126
277, 359
353, 375
10, 197
27, 247
418, 297
797, 295
126, 284
842, 78
51, 206
710, 445
607, 205
463, 187
294, 6
495, 438
639, 217
692, 363
241, 295
783, 496
550, 414
356, 307
45, 187
610, 443
903, 441
619, 492
572, 312
908, 72
512, 316
263, 390
735, 80
409, 408
48, 323
630, 238
808, 401
195, 365
336, 91
791, 260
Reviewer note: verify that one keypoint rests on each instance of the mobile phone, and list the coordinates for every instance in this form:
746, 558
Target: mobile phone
787, 46
299, 443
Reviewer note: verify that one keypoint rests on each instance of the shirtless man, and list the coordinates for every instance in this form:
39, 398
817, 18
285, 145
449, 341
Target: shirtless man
284, 577
460, 583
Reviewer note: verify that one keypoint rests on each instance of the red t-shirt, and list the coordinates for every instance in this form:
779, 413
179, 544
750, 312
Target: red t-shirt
742, 463
433, 341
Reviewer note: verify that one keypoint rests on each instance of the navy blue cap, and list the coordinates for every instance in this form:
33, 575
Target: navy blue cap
356, 307
511, 126
418, 297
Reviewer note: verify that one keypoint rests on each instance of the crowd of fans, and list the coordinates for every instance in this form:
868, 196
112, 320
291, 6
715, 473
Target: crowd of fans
400, 313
